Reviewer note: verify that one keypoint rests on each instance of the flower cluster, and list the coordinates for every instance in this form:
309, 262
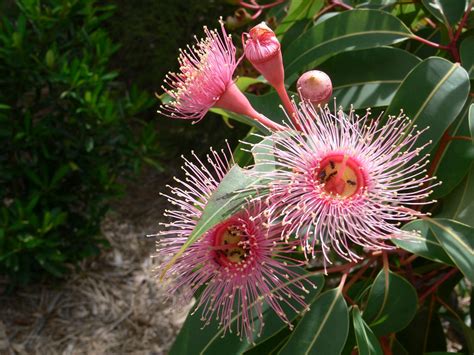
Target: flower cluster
336, 183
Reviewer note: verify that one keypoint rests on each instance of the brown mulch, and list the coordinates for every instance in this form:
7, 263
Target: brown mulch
110, 305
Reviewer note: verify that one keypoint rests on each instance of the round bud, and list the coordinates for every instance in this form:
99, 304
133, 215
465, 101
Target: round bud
314, 86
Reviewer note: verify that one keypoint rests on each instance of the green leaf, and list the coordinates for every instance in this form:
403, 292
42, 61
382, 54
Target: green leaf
447, 11
433, 95
349, 30
272, 345
425, 245
195, 339
50, 58
241, 155
459, 205
269, 105
360, 78
391, 304
323, 329
243, 82
298, 10
471, 121
59, 174
424, 333
467, 55
386, 5
398, 349
455, 161
225, 201
458, 241
367, 342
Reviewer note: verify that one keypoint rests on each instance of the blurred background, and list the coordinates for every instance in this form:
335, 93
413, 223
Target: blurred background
84, 156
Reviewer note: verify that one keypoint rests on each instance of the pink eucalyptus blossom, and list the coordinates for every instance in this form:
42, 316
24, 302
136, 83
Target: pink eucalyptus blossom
344, 180
242, 261
205, 81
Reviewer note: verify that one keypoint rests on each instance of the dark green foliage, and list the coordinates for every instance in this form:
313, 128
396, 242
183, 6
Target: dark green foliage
67, 134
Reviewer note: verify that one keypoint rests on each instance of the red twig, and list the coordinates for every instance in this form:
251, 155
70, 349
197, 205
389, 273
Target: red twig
256, 6
385, 344
463, 22
358, 275
341, 4
385, 261
339, 268
408, 260
438, 283
429, 43
324, 10
439, 152
461, 138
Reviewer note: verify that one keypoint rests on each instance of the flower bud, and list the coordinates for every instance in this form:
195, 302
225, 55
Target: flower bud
314, 86
263, 50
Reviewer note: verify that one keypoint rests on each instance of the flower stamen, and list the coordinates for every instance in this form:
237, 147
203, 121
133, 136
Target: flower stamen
340, 176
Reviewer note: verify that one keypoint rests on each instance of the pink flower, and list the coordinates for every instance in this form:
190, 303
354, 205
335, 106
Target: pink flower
344, 180
205, 81
241, 261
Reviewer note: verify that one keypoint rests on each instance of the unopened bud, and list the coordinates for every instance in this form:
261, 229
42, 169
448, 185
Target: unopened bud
263, 50
314, 86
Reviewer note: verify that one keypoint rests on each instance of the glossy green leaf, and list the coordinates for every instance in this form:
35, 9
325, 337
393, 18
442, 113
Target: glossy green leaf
466, 51
457, 156
459, 205
350, 341
323, 329
432, 95
367, 342
272, 345
424, 333
447, 11
425, 245
269, 105
298, 10
349, 30
243, 82
471, 121
398, 349
196, 339
224, 201
386, 5
360, 78
458, 241
241, 155
391, 304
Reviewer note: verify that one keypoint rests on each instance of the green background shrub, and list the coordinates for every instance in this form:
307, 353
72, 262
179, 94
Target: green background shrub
69, 129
